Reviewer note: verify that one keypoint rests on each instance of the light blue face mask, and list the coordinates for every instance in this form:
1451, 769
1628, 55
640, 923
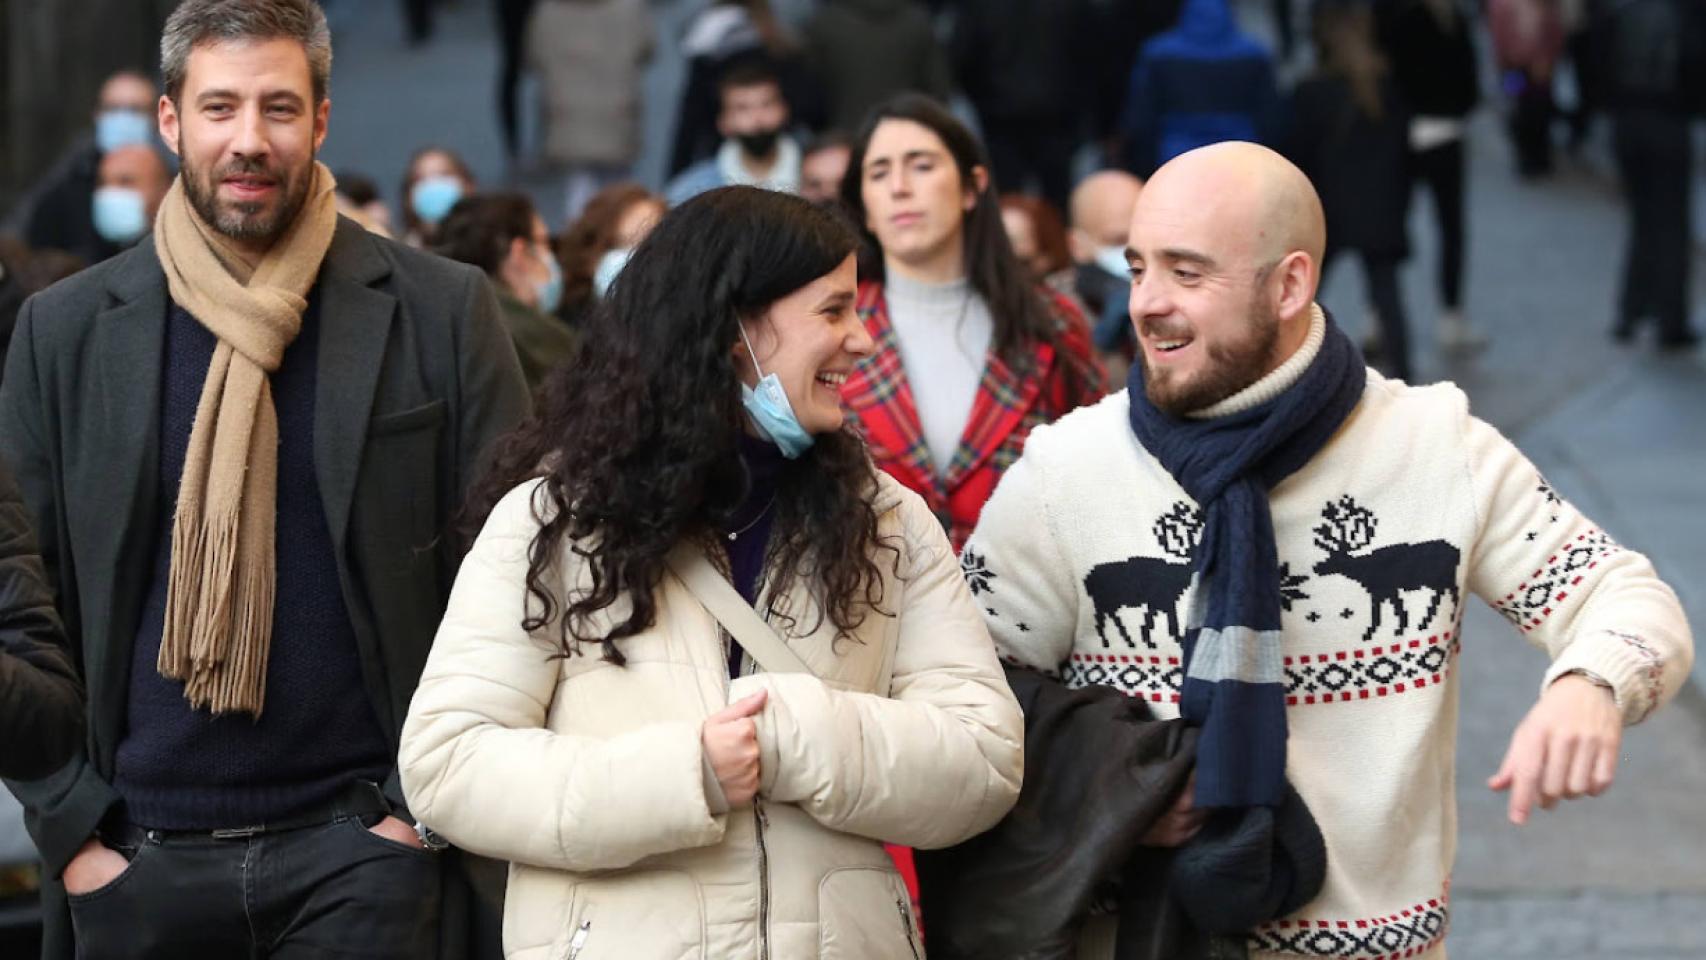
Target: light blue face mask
433, 197
551, 289
771, 412
1112, 259
609, 266
122, 127
120, 214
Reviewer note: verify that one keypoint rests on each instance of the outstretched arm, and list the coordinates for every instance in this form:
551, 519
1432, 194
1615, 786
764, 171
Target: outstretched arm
1619, 642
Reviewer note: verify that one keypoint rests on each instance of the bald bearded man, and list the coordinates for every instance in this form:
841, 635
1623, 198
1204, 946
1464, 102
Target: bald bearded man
1268, 542
1101, 212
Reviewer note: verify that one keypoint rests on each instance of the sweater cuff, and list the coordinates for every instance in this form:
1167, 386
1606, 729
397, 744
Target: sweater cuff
1631, 666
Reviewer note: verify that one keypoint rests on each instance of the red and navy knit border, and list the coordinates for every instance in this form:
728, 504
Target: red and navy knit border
1407, 933
1340, 676
1549, 587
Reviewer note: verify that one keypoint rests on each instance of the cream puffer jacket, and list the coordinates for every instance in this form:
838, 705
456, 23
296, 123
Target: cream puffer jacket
589, 777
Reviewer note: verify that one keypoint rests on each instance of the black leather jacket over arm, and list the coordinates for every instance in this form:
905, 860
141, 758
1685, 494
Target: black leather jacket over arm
41, 698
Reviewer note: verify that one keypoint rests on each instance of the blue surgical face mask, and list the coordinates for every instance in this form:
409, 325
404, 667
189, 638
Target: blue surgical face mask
609, 266
432, 197
1112, 259
122, 127
121, 216
771, 412
551, 288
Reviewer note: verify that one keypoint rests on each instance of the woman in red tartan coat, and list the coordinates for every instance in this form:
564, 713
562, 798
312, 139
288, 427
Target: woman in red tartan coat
970, 354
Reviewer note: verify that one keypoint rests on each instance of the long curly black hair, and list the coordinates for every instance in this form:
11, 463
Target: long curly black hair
637, 439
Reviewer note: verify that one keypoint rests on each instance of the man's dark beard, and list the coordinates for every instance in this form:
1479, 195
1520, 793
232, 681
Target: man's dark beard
243, 221
1231, 368
758, 144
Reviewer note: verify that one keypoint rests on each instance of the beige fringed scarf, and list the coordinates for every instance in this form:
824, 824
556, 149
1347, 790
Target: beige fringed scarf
219, 600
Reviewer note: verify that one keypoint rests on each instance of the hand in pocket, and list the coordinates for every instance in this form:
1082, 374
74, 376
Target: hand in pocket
94, 866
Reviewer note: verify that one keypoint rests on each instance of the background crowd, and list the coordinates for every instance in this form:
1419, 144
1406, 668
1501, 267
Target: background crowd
1372, 98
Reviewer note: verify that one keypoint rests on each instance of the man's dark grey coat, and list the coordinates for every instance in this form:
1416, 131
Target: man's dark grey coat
416, 377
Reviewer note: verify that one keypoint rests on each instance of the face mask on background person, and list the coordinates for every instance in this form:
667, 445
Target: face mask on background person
432, 197
771, 412
609, 266
1112, 259
758, 144
550, 289
121, 127
120, 214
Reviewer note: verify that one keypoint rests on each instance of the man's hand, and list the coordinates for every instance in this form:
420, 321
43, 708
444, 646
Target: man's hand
94, 866
1565, 748
730, 739
1180, 823
397, 832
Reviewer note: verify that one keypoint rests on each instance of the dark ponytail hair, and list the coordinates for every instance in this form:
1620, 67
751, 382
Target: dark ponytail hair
1022, 319
637, 439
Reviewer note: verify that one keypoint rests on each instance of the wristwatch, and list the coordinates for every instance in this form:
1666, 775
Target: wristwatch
430, 838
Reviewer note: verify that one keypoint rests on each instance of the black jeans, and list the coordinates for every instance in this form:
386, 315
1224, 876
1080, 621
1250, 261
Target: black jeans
334, 890
1380, 271
1441, 168
512, 37
1023, 149
1655, 158
1531, 128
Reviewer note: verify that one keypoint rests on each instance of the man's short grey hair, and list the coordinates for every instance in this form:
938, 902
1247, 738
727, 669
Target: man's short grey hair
198, 22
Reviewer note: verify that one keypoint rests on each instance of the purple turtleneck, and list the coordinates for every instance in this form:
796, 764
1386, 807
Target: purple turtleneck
750, 525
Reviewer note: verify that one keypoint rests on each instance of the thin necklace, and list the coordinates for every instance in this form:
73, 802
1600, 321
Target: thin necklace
768, 504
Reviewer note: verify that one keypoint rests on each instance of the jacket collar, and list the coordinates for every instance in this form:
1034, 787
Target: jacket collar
896, 437
355, 325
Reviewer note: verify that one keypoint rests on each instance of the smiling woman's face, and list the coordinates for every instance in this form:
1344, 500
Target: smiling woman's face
810, 339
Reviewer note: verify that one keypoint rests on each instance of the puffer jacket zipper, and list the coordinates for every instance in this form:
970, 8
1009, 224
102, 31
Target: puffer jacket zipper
906, 924
577, 943
762, 823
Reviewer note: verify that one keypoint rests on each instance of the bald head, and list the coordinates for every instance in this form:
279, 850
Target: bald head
1225, 251
1102, 205
1253, 201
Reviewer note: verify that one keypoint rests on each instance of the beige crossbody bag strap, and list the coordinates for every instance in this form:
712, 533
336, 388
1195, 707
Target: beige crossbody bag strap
694, 570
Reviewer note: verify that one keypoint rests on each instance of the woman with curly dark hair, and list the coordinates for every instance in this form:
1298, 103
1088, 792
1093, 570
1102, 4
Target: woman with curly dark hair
595, 247
971, 352
703, 659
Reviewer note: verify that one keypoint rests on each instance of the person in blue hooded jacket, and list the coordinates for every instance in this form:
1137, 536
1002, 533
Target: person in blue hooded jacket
1199, 83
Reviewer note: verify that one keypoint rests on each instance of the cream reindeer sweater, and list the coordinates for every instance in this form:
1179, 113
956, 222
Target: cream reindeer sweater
1081, 564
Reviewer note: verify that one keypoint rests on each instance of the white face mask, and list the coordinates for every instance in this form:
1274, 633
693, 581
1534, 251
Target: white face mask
120, 213
1112, 259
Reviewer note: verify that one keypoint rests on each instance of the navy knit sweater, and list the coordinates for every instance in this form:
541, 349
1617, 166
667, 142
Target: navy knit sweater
183, 769
751, 526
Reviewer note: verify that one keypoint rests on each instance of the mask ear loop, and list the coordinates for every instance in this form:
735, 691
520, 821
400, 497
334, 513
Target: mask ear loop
742, 328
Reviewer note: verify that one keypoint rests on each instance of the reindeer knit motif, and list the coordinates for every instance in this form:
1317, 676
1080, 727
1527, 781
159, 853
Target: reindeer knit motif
1082, 560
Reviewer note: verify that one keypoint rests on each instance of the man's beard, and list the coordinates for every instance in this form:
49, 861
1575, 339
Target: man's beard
1231, 367
240, 220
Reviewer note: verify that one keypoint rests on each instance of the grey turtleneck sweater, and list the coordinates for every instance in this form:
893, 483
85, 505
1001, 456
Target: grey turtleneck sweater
944, 331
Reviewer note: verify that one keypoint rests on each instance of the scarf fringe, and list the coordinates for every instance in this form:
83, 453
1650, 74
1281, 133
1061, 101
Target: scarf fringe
220, 671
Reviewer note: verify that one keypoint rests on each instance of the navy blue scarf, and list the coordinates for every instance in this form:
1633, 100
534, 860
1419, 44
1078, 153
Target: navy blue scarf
1234, 687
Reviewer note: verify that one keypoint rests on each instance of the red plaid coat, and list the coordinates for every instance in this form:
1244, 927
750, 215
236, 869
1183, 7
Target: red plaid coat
1008, 405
